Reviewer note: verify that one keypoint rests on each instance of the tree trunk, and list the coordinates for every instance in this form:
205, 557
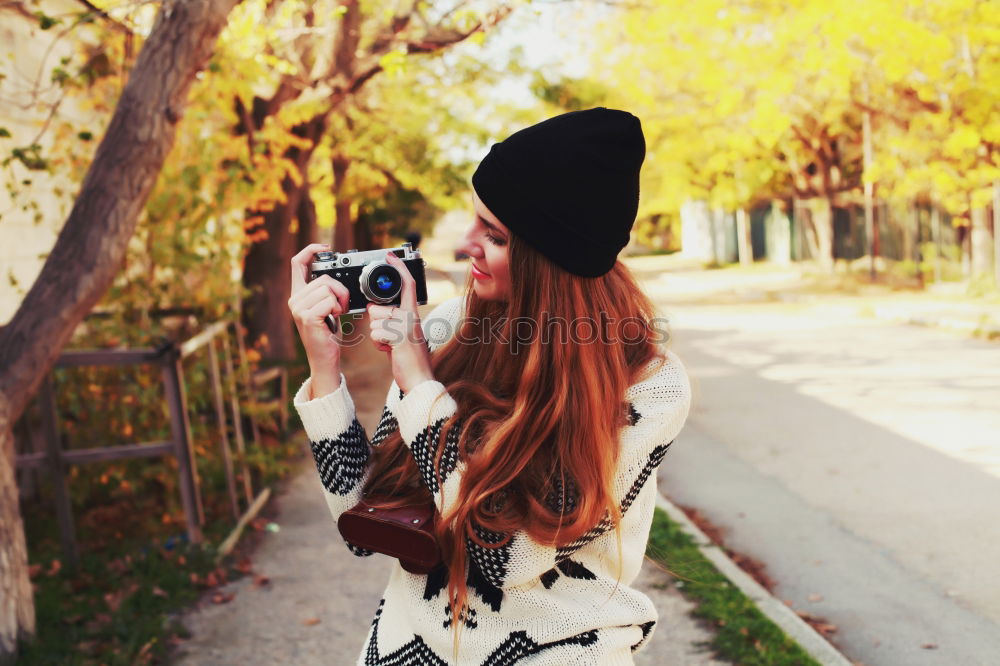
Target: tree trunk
909, 229
821, 216
89, 252
936, 235
779, 240
809, 244
17, 607
267, 268
343, 230
308, 231
982, 244
743, 242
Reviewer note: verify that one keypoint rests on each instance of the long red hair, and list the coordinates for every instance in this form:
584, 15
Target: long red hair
538, 416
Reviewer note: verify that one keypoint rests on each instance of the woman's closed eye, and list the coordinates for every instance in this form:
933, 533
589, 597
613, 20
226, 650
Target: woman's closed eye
494, 239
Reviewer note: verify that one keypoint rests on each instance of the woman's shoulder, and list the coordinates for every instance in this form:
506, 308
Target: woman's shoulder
664, 378
441, 323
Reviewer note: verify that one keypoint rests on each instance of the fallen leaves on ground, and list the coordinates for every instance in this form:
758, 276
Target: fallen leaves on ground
754, 567
99, 622
261, 581
822, 625
310, 621
113, 600
221, 598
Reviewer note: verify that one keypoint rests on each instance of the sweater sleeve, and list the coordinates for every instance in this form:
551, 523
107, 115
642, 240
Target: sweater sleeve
658, 408
340, 446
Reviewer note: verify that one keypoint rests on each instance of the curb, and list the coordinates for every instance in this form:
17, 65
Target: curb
783, 616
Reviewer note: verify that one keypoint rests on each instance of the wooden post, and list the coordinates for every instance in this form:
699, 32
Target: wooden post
220, 415
27, 478
248, 382
57, 470
180, 428
234, 404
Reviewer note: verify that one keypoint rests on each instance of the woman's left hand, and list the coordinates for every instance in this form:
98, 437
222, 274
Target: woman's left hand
396, 329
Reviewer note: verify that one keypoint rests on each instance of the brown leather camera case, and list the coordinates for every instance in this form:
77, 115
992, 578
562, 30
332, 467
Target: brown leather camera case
406, 533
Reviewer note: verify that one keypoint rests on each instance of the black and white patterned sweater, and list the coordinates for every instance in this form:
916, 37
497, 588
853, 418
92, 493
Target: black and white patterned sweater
529, 604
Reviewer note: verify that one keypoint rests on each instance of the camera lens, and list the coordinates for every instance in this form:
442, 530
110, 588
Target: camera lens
381, 282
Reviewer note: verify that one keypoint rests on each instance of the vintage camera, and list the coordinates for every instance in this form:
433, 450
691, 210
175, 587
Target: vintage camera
369, 278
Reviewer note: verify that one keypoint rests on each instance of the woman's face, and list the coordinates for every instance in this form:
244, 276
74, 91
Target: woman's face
487, 242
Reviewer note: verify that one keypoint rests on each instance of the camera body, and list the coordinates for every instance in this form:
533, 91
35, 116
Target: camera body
369, 278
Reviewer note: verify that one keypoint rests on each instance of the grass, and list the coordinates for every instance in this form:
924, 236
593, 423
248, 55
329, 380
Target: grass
743, 635
115, 609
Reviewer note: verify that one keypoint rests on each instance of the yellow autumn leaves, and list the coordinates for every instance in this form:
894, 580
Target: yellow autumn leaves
739, 97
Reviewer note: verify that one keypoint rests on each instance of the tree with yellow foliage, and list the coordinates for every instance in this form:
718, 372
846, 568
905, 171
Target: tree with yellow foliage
748, 99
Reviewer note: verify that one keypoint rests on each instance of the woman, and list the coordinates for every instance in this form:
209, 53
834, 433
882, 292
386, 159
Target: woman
534, 413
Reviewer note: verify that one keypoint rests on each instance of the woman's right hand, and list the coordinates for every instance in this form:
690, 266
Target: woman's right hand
310, 302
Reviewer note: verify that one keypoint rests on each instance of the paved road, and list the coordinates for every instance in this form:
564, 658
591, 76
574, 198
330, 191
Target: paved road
859, 460
319, 604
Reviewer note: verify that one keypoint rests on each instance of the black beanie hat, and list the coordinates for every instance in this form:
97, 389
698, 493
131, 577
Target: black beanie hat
568, 186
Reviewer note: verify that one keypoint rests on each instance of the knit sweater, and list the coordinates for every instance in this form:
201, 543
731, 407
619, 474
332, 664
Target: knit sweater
529, 603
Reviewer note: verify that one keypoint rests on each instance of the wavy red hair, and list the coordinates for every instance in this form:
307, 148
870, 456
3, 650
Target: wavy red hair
537, 417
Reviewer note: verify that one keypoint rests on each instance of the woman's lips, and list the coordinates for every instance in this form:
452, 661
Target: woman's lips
478, 274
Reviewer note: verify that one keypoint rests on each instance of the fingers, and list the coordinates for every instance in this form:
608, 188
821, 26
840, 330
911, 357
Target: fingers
315, 302
408, 298
319, 310
339, 290
313, 291
300, 264
376, 311
313, 298
392, 331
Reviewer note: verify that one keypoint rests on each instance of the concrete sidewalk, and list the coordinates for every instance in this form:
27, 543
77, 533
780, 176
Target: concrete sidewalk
320, 601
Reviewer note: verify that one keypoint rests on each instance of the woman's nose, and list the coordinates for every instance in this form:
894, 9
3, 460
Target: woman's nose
468, 245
